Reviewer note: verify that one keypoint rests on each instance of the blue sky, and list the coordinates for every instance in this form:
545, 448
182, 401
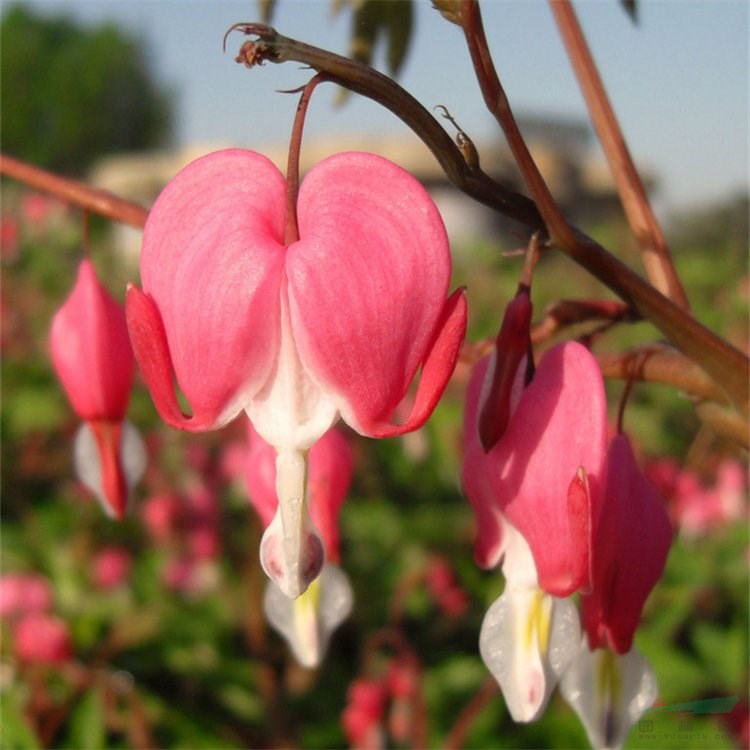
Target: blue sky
678, 80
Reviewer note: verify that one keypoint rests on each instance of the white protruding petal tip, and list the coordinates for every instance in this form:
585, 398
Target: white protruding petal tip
527, 639
308, 621
88, 466
609, 692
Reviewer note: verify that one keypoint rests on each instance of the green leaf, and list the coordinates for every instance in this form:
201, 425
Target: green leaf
15, 733
87, 727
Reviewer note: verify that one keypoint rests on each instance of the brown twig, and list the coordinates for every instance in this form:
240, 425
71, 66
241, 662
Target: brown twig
569, 312
499, 106
656, 256
361, 79
78, 193
661, 364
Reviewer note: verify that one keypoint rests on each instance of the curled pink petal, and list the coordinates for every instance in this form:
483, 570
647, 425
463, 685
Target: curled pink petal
91, 351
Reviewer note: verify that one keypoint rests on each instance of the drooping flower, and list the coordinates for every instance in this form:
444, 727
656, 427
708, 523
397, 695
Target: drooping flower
545, 474
92, 357
609, 684
111, 567
333, 325
307, 622
364, 716
536, 493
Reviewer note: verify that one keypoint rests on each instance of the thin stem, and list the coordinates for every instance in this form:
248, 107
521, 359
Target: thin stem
662, 365
291, 229
78, 193
656, 256
499, 106
457, 736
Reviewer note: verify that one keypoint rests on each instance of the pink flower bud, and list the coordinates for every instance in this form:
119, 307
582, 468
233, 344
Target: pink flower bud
91, 350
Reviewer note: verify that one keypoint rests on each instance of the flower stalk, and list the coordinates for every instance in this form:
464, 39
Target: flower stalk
728, 366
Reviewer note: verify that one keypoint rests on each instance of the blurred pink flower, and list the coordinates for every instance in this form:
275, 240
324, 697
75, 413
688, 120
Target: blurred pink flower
334, 325
10, 237
111, 567
163, 516
40, 210
21, 593
697, 507
42, 638
363, 717
443, 587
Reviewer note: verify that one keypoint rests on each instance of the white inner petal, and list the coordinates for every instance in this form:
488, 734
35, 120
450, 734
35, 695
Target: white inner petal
609, 692
308, 622
291, 411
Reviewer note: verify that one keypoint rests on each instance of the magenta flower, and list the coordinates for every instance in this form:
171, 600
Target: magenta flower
307, 622
334, 325
93, 359
536, 494
610, 684
545, 473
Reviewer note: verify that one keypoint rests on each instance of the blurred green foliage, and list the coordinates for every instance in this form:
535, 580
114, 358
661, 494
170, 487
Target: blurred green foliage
115, 104
159, 667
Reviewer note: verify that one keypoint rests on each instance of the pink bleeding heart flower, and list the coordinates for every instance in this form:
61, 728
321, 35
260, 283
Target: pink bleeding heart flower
92, 356
609, 684
307, 622
545, 473
631, 545
334, 325
536, 494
